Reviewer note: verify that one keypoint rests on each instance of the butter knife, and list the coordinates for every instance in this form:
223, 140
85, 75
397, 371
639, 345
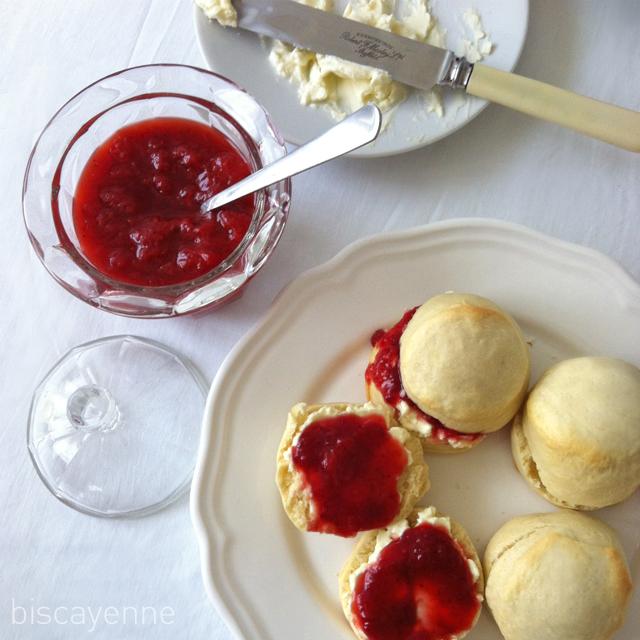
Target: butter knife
422, 65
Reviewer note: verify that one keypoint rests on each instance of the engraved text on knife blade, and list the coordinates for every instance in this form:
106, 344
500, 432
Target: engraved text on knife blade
367, 46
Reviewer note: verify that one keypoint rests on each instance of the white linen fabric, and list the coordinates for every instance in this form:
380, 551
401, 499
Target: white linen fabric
61, 570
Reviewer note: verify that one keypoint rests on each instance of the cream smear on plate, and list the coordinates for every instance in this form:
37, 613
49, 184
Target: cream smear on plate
341, 87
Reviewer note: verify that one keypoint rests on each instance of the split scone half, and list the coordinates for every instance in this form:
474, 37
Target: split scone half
418, 578
344, 468
452, 370
556, 576
577, 439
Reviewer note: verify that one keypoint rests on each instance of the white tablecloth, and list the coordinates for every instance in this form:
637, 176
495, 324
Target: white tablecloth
56, 562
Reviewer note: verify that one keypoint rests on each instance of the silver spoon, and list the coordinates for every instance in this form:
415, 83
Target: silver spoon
356, 130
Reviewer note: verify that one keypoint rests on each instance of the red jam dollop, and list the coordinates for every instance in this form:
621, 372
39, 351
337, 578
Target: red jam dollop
136, 209
384, 373
419, 588
351, 464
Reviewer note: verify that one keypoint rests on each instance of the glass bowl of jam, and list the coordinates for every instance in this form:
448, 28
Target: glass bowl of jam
113, 189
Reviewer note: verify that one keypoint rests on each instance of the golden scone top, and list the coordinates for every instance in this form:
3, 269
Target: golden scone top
577, 439
465, 361
547, 573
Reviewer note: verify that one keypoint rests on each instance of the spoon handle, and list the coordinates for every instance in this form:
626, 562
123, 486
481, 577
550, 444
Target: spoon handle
356, 130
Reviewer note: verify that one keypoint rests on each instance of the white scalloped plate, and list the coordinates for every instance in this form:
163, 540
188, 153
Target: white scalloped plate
270, 581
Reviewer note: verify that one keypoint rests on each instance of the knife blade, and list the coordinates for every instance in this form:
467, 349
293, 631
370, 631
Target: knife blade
422, 65
415, 63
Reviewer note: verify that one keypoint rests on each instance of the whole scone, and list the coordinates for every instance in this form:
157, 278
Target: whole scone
556, 576
464, 361
437, 599
452, 370
334, 507
577, 438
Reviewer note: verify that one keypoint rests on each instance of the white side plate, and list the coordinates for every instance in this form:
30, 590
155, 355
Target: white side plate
271, 582
242, 57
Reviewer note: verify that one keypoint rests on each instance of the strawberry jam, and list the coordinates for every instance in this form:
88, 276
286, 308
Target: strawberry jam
351, 465
384, 373
419, 588
136, 209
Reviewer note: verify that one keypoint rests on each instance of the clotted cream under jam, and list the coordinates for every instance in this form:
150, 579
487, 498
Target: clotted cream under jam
136, 209
419, 588
351, 465
384, 373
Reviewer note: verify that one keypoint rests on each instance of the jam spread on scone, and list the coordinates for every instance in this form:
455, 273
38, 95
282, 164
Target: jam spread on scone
351, 465
384, 373
419, 588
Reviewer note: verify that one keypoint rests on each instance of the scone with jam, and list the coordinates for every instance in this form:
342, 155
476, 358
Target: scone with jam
452, 370
345, 468
419, 578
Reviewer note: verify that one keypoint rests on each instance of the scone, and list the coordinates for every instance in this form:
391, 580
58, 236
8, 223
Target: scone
345, 468
556, 576
577, 439
418, 578
452, 370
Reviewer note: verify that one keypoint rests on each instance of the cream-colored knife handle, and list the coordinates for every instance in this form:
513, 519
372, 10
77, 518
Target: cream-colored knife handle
600, 120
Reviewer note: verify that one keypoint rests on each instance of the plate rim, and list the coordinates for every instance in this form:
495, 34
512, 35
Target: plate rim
198, 17
208, 526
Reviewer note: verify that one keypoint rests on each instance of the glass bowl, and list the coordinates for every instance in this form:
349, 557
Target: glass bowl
92, 116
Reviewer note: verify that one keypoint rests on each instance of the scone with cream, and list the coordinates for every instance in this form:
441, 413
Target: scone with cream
556, 576
452, 370
345, 468
418, 578
577, 438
